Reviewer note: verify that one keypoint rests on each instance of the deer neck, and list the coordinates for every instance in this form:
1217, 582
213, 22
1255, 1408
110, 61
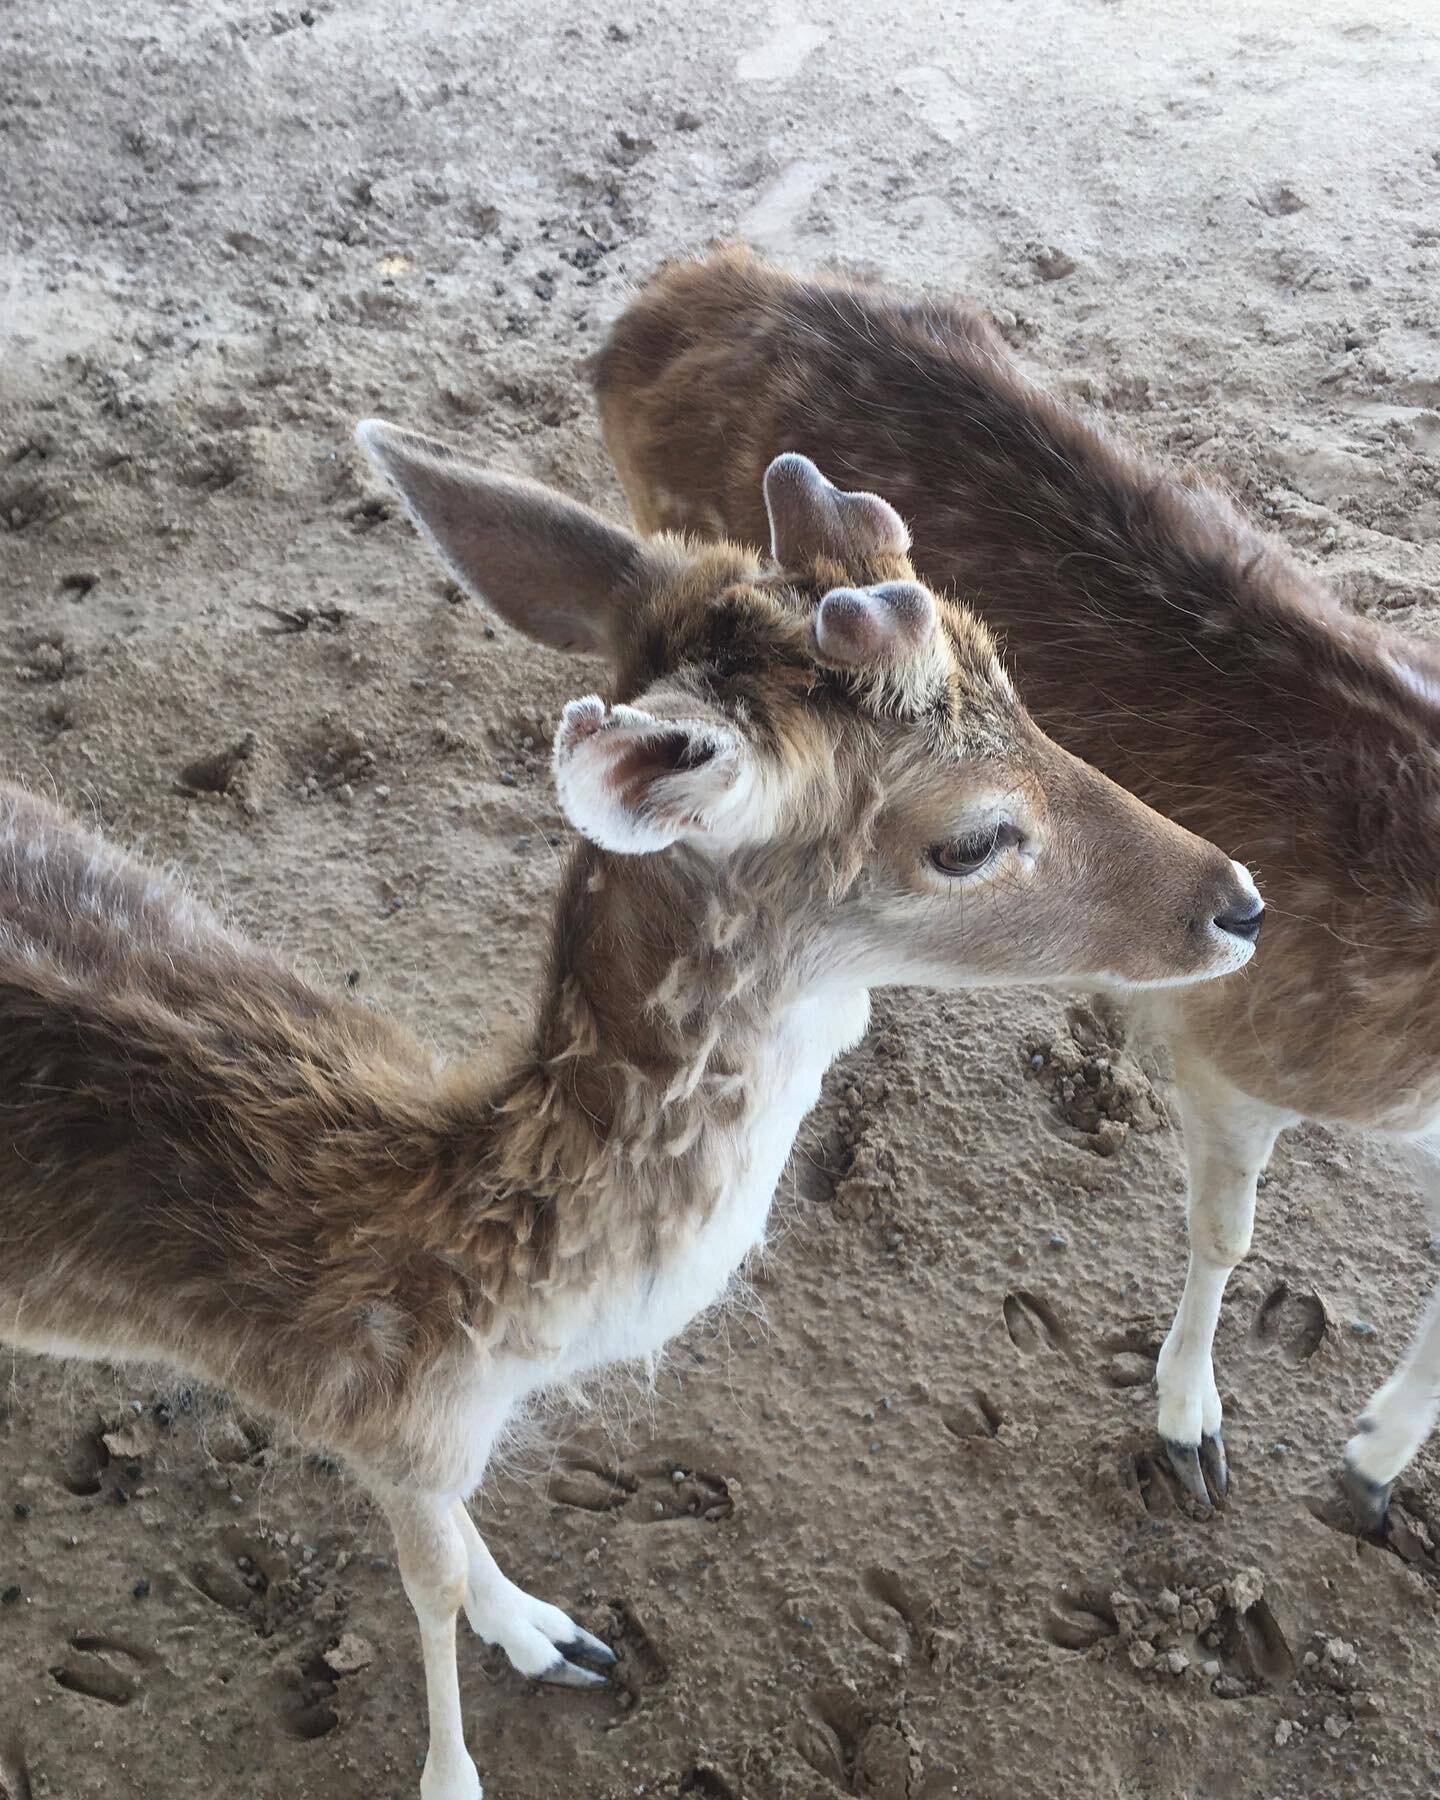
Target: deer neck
688, 1021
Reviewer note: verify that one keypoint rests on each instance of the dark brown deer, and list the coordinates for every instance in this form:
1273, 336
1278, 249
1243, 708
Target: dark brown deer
808, 778
1158, 634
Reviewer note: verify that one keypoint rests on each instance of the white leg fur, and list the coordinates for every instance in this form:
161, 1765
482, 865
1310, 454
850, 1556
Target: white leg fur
434, 1566
1228, 1140
1395, 1423
537, 1638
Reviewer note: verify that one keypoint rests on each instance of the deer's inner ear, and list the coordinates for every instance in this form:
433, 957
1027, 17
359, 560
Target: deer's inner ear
548, 565
635, 783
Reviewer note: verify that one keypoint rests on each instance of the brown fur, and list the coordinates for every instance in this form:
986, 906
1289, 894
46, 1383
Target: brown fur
205, 1161
1154, 631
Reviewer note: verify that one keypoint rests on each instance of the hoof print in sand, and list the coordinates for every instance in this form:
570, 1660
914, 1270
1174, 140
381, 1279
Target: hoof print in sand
856, 1751
1079, 1619
251, 1579
890, 1615
1031, 1323
307, 1709
1160, 1491
707, 1781
84, 1461
103, 1668
1224, 1634
1258, 1646
978, 1417
653, 1493
1292, 1322
641, 1664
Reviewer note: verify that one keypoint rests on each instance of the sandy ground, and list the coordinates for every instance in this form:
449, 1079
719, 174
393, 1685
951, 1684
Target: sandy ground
895, 1527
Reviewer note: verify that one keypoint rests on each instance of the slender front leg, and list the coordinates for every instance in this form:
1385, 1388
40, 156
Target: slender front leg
1228, 1140
538, 1638
1395, 1423
435, 1566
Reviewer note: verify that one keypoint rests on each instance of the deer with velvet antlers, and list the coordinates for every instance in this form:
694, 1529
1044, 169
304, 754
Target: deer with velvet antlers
1157, 633
810, 776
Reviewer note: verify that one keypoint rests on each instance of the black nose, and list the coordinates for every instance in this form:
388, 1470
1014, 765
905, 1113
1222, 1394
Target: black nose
1243, 924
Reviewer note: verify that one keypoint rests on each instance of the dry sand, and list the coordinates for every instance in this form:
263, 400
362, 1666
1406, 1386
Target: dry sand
897, 1528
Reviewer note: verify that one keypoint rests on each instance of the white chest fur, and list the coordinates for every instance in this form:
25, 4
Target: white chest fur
746, 1163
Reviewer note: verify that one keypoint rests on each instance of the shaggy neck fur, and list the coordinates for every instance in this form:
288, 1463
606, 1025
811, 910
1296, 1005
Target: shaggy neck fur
669, 1026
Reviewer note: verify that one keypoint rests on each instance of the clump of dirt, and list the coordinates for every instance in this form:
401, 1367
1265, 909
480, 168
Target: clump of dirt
1098, 1086
230, 771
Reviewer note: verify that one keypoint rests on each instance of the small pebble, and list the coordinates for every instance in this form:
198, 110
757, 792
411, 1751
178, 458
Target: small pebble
122, 1496
1279, 1449
141, 1588
1058, 1240
1362, 1328
22, 1509
1284, 1731
1336, 1725
1037, 1061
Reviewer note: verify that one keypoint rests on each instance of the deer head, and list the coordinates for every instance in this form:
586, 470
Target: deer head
831, 733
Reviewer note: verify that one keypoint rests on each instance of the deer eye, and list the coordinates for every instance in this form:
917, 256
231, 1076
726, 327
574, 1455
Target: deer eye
969, 855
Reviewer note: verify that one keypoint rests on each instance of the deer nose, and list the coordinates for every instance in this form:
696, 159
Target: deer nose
1243, 911
1243, 922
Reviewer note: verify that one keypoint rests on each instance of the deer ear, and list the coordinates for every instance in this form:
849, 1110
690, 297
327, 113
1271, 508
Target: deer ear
635, 783
811, 518
547, 565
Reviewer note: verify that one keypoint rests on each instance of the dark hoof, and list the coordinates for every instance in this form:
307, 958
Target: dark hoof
1368, 1500
566, 1674
589, 1649
1190, 1471
1217, 1470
